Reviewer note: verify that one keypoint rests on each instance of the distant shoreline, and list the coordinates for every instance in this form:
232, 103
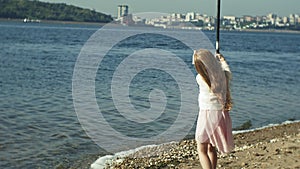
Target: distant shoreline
269, 30
102, 24
55, 22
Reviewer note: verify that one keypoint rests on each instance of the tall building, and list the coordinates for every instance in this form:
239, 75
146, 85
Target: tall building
190, 16
122, 11
294, 19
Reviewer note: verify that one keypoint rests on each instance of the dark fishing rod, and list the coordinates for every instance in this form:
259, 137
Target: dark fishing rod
218, 26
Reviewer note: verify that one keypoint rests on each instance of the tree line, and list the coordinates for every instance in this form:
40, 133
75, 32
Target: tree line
33, 9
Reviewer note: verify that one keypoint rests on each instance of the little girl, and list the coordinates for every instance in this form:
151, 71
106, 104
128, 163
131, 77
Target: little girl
214, 128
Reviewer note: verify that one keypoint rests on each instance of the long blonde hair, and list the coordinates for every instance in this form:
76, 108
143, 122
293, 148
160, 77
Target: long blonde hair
211, 71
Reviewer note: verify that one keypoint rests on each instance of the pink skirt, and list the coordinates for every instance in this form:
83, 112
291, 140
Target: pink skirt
215, 127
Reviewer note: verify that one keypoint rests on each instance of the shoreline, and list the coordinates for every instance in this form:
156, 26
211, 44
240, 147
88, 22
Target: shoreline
265, 147
268, 30
53, 22
102, 24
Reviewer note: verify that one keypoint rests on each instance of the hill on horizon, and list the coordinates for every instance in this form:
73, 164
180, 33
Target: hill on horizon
34, 9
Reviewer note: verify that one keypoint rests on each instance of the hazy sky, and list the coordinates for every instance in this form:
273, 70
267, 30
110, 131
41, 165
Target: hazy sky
229, 7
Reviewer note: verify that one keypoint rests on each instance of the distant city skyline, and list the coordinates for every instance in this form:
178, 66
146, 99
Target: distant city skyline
229, 7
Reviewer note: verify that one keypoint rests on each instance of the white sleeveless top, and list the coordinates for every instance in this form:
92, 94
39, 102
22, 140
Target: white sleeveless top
207, 100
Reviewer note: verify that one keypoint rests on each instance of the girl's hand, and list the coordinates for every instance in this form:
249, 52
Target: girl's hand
220, 57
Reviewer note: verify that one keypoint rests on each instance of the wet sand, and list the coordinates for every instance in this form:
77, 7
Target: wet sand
271, 147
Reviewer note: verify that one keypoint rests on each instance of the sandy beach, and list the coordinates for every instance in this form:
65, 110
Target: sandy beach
270, 147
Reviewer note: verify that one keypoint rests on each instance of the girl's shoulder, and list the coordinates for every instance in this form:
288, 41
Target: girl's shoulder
198, 78
201, 82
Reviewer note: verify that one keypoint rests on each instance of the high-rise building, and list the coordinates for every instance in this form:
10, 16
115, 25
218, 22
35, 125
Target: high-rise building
190, 16
122, 11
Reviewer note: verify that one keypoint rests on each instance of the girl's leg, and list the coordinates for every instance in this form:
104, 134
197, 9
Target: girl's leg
212, 154
203, 156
